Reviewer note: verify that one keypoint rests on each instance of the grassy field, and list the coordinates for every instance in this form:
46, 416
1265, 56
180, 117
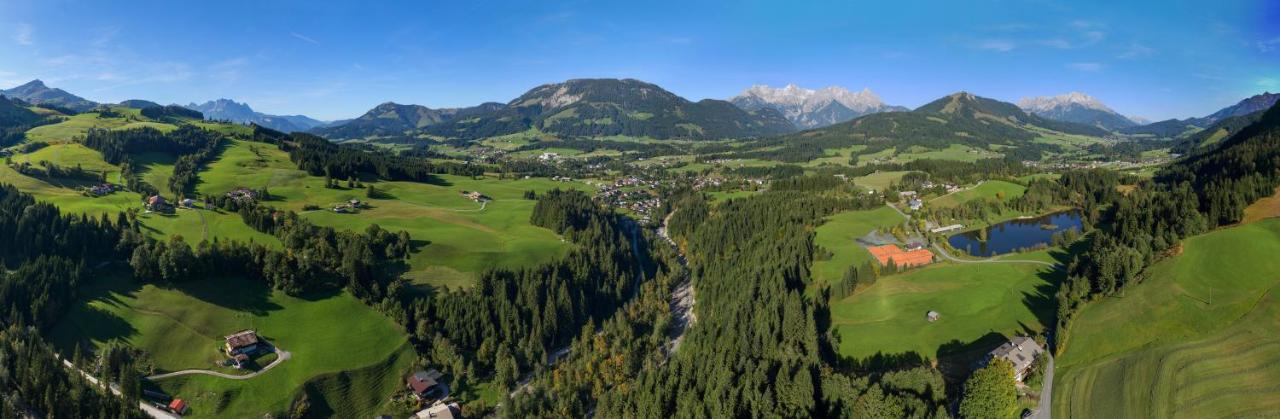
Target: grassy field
837, 235
181, 327
981, 305
461, 239
878, 180
1200, 338
992, 189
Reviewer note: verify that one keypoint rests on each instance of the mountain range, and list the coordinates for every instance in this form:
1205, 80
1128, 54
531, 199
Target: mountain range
1078, 108
230, 110
393, 119
35, 92
808, 108
959, 118
1171, 128
575, 108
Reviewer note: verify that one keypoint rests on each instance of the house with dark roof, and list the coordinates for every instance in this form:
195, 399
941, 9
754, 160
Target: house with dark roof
425, 384
1021, 352
241, 343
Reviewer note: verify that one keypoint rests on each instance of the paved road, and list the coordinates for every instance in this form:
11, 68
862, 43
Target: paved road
1045, 409
150, 410
281, 357
947, 256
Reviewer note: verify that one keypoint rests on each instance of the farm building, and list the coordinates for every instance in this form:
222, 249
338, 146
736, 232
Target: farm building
157, 203
932, 316
243, 195
187, 203
1021, 352
242, 342
476, 196
885, 253
440, 411
915, 204
424, 385
178, 406
101, 190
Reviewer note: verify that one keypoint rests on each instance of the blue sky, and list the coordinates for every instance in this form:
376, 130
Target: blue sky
1156, 59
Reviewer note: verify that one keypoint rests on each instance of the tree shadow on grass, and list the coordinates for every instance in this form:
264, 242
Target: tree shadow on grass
234, 293
957, 359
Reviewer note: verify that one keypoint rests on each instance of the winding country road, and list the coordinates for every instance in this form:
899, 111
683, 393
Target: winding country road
281, 357
154, 412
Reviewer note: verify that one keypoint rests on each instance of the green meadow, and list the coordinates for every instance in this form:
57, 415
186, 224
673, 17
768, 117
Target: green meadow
837, 235
460, 238
989, 190
879, 180
981, 305
180, 327
1200, 337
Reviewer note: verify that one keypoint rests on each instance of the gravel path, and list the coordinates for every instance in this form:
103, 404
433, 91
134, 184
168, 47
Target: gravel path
150, 410
947, 256
281, 357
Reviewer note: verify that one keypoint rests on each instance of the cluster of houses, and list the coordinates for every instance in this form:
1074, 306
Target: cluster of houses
548, 156
102, 190
632, 193
348, 207
243, 196
562, 179
426, 386
913, 200
475, 196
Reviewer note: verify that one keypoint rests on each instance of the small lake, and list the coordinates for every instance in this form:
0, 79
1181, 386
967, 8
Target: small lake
1012, 235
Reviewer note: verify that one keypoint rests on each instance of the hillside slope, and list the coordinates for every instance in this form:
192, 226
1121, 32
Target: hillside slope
36, 92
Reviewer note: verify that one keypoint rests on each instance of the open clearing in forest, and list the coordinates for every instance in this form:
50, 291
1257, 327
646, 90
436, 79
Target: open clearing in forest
1199, 338
837, 235
181, 327
981, 304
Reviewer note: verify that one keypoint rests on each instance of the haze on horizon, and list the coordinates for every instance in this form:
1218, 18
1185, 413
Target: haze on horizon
334, 61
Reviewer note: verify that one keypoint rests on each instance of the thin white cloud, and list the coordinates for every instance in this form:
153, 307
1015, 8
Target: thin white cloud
999, 45
304, 38
1086, 67
1269, 45
1136, 50
23, 34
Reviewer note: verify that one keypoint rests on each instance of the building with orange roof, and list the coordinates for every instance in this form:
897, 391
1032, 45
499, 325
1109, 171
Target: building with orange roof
885, 253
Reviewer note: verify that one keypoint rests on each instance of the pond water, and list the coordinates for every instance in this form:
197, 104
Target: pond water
1012, 235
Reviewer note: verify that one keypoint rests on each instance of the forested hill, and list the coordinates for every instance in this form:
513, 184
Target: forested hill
960, 118
12, 114
604, 107
393, 119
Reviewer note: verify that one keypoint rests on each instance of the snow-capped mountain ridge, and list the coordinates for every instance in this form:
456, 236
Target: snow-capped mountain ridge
1076, 107
811, 108
1048, 103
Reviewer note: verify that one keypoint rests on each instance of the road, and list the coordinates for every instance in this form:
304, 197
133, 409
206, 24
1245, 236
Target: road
1045, 409
282, 356
947, 256
150, 410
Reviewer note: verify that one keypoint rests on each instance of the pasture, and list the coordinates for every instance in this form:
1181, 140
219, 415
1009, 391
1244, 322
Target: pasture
1198, 338
459, 237
989, 190
180, 327
981, 305
837, 235
879, 180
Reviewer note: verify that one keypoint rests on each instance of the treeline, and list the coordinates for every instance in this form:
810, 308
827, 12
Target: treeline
319, 157
46, 169
192, 146
38, 283
761, 347
590, 145
170, 112
1188, 197
513, 320
35, 383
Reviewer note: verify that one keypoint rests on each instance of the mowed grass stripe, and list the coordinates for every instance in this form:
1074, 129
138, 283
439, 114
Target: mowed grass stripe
1162, 350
